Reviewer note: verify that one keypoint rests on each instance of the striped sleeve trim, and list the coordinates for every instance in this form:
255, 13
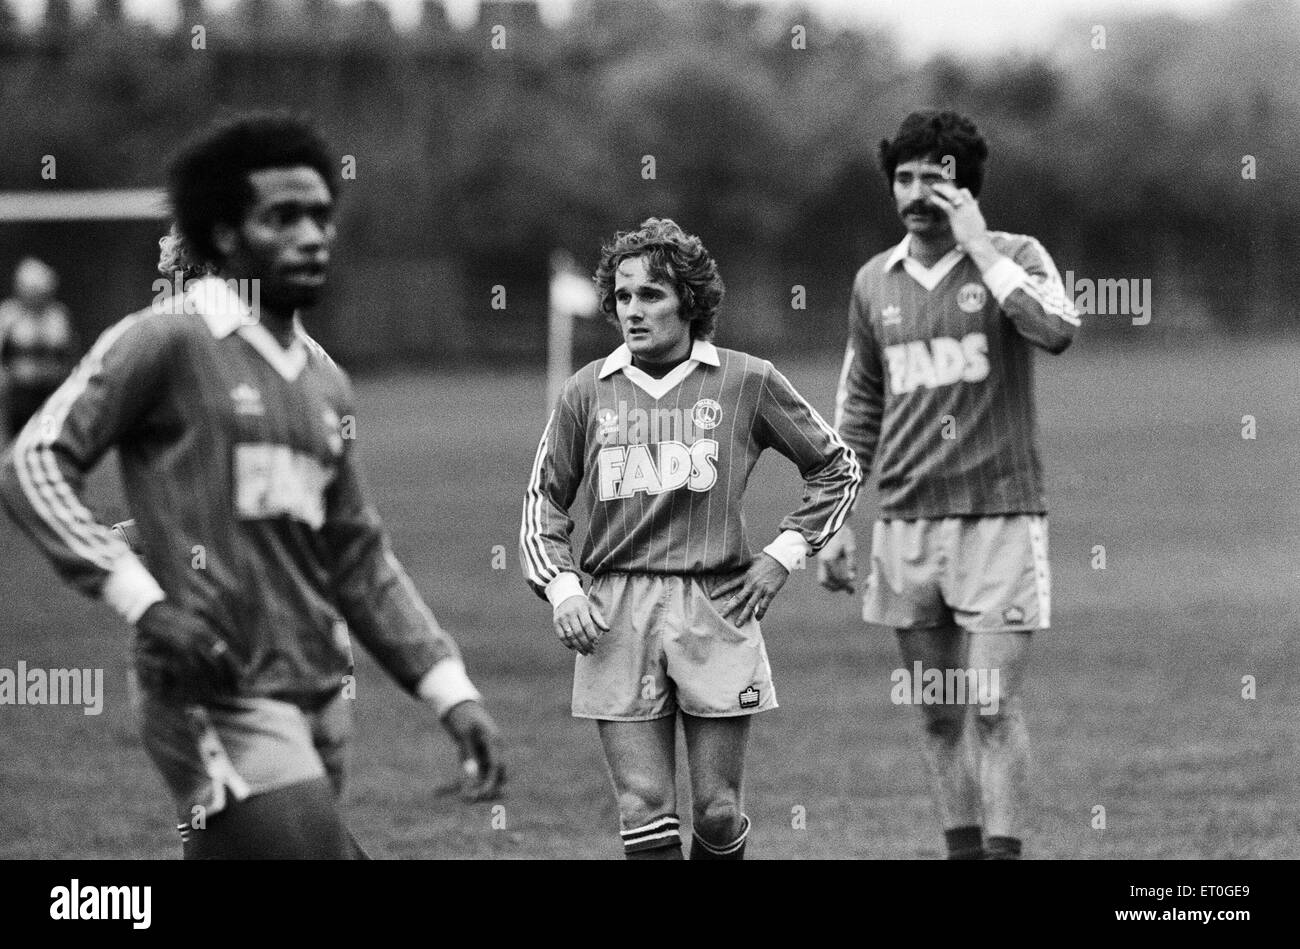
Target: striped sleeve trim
44, 485
850, 495
842, 391
1049, 291
845, 503
541, 568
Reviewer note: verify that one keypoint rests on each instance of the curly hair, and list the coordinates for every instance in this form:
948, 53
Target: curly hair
208, 178
673, 257
933, 135
175, 256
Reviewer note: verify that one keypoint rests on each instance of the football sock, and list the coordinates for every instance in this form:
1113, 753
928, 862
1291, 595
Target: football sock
964, 843
1002, 848
701, 849
660, 839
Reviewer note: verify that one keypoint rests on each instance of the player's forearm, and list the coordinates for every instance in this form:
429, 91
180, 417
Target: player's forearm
446, 685
831, 493
1040, 309
862, 434
1038, 320
390, 618
44, 500
545, 551
566, 584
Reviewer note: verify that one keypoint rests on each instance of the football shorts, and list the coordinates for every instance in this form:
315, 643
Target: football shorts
669, 648
210, 754
984, 574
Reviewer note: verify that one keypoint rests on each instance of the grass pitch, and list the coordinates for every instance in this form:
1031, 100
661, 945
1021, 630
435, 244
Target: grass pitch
1134, 698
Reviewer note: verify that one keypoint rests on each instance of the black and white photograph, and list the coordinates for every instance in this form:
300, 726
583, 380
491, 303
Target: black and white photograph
566, 430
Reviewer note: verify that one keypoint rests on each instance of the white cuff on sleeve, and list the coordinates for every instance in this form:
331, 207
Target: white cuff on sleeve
562, 587
789, 550
1003, 277
130, 588
447, 684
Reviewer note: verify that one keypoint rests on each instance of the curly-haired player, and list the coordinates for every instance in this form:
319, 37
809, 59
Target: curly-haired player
660, 438
937, 390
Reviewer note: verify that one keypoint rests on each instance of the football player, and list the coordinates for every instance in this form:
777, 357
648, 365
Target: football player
656, 443
937, 391
260, 549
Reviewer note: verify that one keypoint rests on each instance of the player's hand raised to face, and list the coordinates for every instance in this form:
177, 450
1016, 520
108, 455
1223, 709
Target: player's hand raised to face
579, 624
837, 562
964, 214
753, 591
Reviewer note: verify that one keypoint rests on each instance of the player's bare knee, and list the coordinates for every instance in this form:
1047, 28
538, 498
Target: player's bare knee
640, 805
998, 716
944, 723
717, 816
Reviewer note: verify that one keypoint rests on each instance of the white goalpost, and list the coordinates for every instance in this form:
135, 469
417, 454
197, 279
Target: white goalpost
107, 204
572, 296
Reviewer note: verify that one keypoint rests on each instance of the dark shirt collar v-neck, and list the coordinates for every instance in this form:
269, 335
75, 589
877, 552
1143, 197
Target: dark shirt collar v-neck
657, 370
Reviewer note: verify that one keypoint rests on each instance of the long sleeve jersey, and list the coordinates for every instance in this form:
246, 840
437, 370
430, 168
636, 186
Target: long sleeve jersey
662, 466
238, 468
937, 385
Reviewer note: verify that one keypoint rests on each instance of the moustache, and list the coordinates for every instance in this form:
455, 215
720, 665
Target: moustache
920, 207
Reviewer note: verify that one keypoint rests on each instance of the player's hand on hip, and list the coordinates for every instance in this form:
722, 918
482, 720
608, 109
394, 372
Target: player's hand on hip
579, 624
478, 739
837, 562
179, 658
964, 214
753, 591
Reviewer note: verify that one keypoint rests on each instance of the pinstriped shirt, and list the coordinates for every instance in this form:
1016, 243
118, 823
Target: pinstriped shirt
937, 387
661, 467
236, 457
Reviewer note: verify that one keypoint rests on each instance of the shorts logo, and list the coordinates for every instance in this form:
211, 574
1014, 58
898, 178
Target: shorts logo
749, 698
972, 297
607, 424
706, 414
1013, 614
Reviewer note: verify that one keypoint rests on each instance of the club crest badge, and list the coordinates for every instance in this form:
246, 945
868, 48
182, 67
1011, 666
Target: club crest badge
333, 431
972, 297
248, 401
1013, 615
749, 698
891, 315
707, 414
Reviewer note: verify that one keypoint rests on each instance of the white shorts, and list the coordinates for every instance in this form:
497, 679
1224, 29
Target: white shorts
984, 574
669, 648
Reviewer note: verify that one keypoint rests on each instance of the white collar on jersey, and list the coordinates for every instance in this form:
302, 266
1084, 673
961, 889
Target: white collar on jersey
702, 351
226, 312
927, 277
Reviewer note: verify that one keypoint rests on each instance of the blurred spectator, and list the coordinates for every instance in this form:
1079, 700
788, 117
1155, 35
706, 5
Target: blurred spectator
36, 343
